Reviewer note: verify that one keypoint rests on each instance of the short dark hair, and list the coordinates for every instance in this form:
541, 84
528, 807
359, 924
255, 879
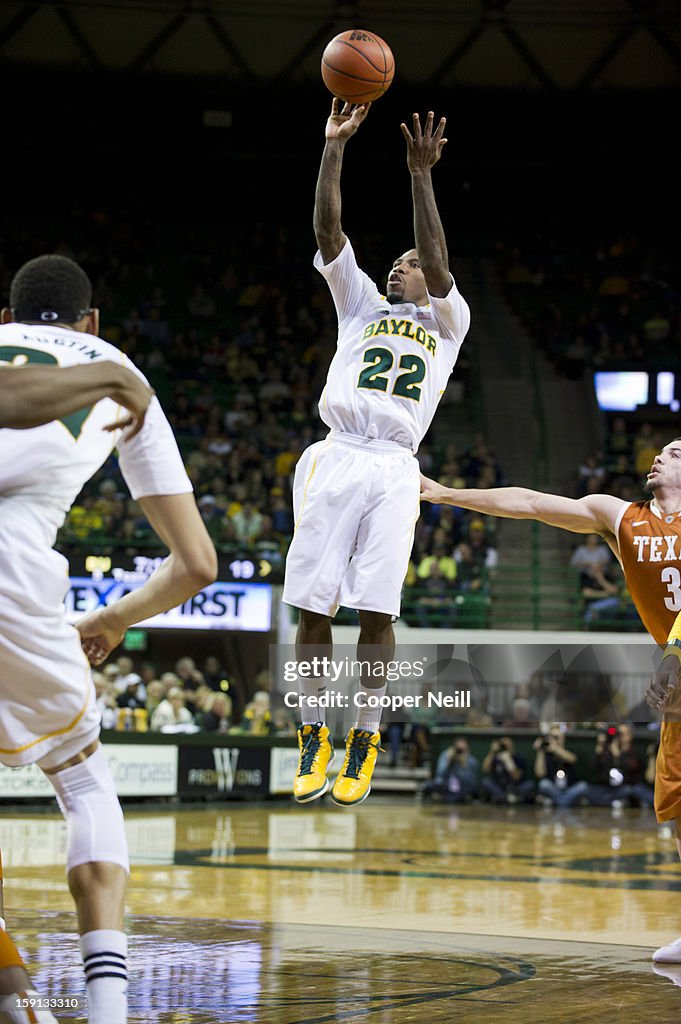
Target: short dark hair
50, 288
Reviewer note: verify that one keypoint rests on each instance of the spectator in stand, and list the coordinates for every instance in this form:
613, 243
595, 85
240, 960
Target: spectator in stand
155, 694
188, 674
282, 723
471, 573
216, 714
537, 691
592, 558
591, 476
620, 475
195, 700
457, 775
521, 715
601, 598
479, 458
247, 523
214, 674
106, 701
435, 606
647, 446
554, 768
619, 441
441, 553
504, 774
620, 772
256, 718
134, 695
171, 712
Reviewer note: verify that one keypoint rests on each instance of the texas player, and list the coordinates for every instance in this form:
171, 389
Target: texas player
646, 538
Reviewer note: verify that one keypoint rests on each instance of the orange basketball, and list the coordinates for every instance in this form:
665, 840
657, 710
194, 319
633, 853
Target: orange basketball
357, 66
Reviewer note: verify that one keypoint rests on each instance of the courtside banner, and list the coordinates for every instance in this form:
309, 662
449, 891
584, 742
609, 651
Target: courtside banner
223, 770
467, 684
232, 606
138, 769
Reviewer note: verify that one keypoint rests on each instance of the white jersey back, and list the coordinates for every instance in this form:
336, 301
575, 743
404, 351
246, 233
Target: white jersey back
43, 469
393, 361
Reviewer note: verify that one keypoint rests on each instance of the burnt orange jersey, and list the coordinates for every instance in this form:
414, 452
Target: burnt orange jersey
650, 549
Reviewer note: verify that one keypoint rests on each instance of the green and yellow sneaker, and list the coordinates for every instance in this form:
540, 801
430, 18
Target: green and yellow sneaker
354, 779
316, 753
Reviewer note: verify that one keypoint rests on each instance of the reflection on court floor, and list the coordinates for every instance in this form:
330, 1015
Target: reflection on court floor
388, 914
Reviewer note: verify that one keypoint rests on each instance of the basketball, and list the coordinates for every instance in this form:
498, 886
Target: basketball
357, 66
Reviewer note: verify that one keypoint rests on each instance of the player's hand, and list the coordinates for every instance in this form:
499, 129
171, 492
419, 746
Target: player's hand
96, 638
344, 123
663, 683
134, 395
424, 147
431, 490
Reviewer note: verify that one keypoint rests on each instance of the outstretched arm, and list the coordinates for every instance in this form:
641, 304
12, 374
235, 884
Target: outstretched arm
596, 513
33, 395
424, 149
190, 566
327, 205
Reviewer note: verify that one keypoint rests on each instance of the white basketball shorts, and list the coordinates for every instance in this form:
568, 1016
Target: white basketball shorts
356, 502
47, 702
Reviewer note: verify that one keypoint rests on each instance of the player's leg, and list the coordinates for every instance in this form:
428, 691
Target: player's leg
375, 647
327, 502
313, 641
671, 954
97, 866
373, 585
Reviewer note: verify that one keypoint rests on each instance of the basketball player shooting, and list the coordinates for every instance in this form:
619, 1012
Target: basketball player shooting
356, 493
646, 538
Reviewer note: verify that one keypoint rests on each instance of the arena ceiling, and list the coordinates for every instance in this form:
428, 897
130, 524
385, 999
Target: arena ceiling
530, 45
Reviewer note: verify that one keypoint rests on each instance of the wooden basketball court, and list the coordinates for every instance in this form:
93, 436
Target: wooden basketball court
391, 913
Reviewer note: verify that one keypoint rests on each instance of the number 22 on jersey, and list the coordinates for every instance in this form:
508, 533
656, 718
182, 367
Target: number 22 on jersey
378, 373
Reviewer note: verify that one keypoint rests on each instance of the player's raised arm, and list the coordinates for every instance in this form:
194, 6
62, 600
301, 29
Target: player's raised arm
424, 149
596, 513
340, 126
33, 395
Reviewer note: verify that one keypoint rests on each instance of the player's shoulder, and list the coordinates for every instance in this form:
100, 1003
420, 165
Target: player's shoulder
640, 509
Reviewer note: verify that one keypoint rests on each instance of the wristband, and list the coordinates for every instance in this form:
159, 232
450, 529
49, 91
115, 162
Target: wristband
674, 648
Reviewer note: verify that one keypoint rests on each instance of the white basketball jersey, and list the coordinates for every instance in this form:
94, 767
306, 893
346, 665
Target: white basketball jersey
393, 361
43, 469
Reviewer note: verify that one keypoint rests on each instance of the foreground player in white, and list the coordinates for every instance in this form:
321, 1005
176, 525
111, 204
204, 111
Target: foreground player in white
356, 494
48, 714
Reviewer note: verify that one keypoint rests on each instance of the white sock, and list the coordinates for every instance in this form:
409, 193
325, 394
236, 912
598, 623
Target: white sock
369, 718
104, 954
311, 688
